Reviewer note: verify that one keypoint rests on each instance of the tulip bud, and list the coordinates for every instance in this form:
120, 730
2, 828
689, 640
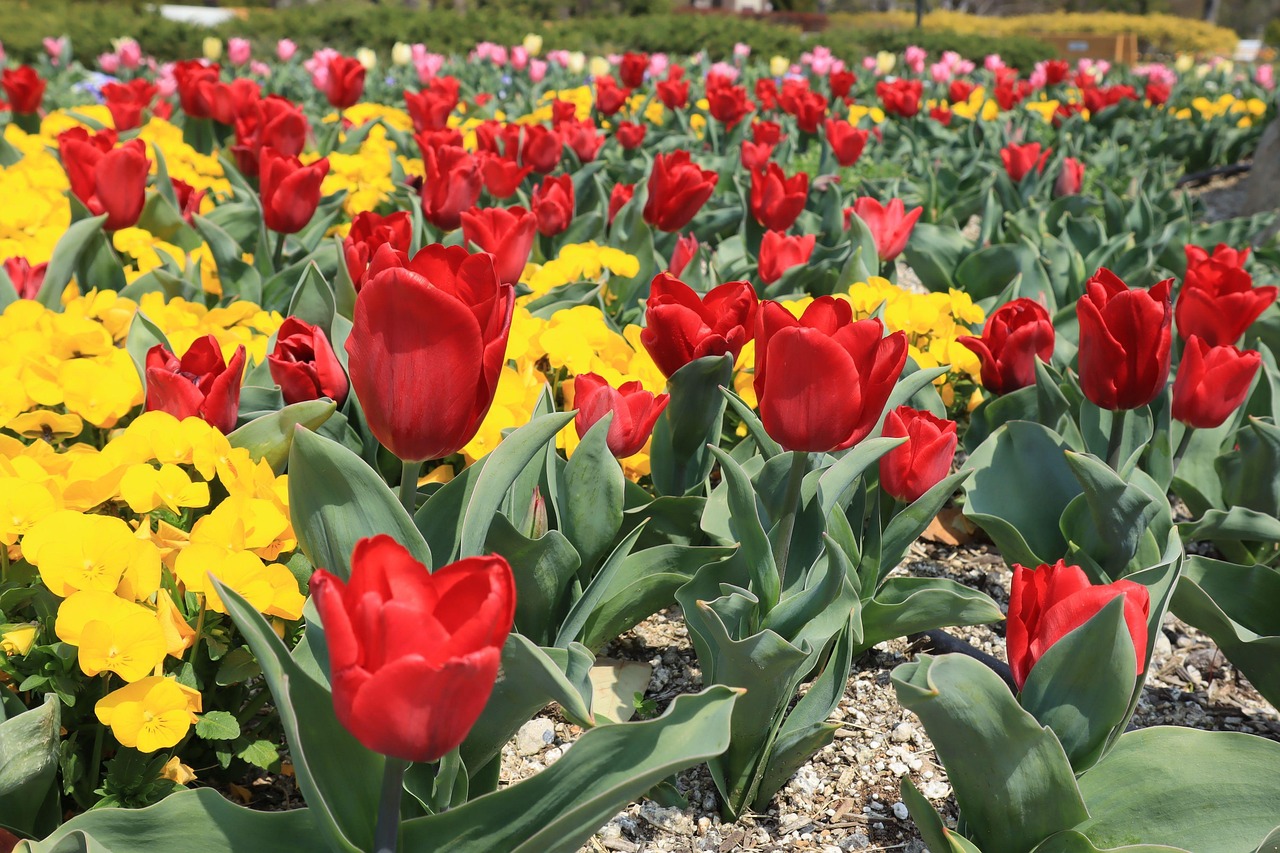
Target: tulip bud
916, 466
635, 411
401, 53
1125, 341
533, 44
1212, 383
212, 48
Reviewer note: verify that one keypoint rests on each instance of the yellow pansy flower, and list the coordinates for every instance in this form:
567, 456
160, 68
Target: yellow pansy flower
17, 640
150, 714
74, 551
146, 488
45, 424
22, 505
111, 634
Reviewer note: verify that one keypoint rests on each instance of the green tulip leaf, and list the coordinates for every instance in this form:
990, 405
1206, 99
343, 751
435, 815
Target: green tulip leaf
1080, 687
197, 821
270, 437
906, 527
591, 494
543, 569
335, 500
68, 252
935, 835
768, 447
678, 454
835, 483
745, 522
595, 592
1210, 792
1022, 458
29, 745
1249, 472
558, 809
143, 335
1235, 605
1075, 842
340, 778
501, 470
313, 300
1011, 778
906, 605
1108, 519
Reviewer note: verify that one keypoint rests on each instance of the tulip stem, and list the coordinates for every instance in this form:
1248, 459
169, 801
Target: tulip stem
787, 523
1115, 439
409, 486
1183, 444
387, 835
278, 255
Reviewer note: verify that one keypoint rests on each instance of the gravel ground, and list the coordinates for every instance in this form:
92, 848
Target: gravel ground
846, 797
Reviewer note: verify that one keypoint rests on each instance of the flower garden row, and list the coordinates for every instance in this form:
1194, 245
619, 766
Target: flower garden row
348, 411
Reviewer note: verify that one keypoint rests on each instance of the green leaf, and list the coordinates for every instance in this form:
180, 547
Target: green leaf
335, 500
558, 809
197, 821
542, 568
746, 524
1119, 512
1019, 459
594, 594
237, 666
260, 753
768, 447
270, 437
340, 779
313, 299
1011, 779
501, 469
67, 253
1236, 606
1080, 687
839, 478
143, 335
162, 219
935, 835
591, 494
1074, 842
679, 456
1210, 792
906, 527
906, 605
29, 744
218, 725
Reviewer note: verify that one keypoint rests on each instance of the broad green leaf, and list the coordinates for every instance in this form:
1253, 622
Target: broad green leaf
1011, 779
595, 592
143, 335
501, 469
558, 809
1071, 841
197, 821
591, 495
270, 437
745, 522
1080, 687
29, 744
906, 605
1209, 792
218, 725
1109, 517
74, 242
542, 567
1019, 459
313, 299
679, 456
906, 527
929, 823
1236, 606
340, 779
835, 482
768, 447
335, 500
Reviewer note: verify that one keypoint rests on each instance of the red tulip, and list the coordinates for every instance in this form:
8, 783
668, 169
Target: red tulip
1010, 91
582, 137
678, 188
1212, 382
195, 87
959, 91
413, 654
189, 199
505, 233
1218, 301
728, 104
430, 109
901, 97
810, 109
25, 278
290, 191
673, 92
846, 141
632, 69
229, 101
630, 135
766, 94
369, 231
635, 411
1049, 602
1019, 160
609, 97
542, 149
840, 82
23, 88
685, 251
126, 101
201, 384
553, 204
1098, 98
426, 348
891, 225
776, 200
756, 155
941, 115
304, 364
273, 122
106, 179
766, 132
344, 82
823, 380
1014, 335
923, 460
1125, 341
1070, 179
618, 198
452, 185
1056, 71
681, 326
779, 253
502, 177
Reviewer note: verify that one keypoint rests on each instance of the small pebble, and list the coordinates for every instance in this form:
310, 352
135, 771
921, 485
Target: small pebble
900, 811
903, 733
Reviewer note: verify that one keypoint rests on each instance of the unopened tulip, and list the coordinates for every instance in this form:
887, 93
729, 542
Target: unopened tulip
107, 179
1014, 335
1020, 160
290, 191
776, 200
780, 252
304, 364
677, 190
553, 204
923, 460
505, 233
1212, 382
1125, 341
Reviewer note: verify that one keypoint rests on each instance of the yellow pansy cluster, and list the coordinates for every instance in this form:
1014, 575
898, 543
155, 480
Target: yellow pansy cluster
1248, 110
127, 536
35, 213
235, 324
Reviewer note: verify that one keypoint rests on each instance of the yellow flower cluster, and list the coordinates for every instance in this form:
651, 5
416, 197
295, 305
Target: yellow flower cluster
126, 537
233, 325
35, 213
1248, 109
578, 262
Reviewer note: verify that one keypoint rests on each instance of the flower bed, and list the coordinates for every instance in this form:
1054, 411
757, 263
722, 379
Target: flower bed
352, 409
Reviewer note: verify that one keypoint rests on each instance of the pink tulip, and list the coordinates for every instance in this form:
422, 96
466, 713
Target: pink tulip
285, 49
239, 50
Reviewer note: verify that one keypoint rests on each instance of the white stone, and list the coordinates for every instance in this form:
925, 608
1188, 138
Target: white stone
900, 811
534, 736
